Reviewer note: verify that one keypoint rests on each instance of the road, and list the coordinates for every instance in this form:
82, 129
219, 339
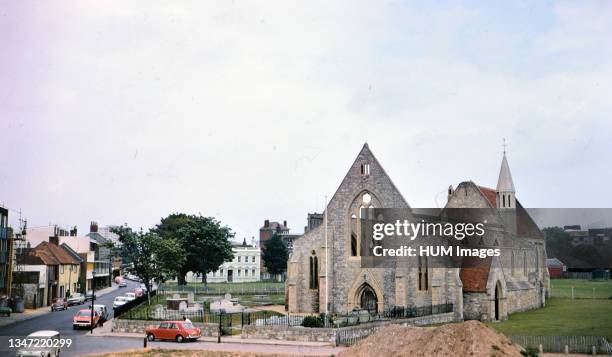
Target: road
62, 321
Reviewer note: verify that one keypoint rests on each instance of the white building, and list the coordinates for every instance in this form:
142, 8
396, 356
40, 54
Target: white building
243, 268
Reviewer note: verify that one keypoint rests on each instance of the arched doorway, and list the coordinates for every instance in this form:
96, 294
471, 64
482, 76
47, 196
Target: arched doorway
497, 299
368, 300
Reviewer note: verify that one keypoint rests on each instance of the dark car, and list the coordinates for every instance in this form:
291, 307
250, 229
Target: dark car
89, 295
59, 304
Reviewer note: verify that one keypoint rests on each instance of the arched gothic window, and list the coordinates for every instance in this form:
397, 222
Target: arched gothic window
314, 271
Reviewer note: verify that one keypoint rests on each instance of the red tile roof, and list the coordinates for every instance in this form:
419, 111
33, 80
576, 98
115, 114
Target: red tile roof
52, 254
474, 273
490, 194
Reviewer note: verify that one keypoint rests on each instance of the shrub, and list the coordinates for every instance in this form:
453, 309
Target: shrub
313, 321
530, 352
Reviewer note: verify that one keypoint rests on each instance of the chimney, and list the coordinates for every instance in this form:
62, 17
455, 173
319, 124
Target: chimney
73, 232
54, 240
93, 227
266, 223
285, 224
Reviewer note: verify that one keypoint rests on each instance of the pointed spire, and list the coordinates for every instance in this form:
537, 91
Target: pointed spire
505, 183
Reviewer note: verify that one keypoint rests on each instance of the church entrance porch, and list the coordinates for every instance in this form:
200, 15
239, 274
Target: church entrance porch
368, 300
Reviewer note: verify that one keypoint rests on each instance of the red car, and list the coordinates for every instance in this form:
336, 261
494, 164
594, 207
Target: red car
83, 319
173, 330
59, 304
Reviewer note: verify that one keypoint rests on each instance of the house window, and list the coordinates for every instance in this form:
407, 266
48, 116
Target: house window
314, 271
238, 259
61, 269
253, 272
238, 272
253, 259
221, 272
423, 274
525, 263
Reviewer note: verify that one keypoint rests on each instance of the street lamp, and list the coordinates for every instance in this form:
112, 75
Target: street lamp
93, 299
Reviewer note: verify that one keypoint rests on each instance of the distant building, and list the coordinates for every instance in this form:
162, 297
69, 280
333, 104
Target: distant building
313, 221
588, 236
556, 268
245, 267
6, 253
266, 232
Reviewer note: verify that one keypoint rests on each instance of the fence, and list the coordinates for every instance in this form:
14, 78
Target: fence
556, 344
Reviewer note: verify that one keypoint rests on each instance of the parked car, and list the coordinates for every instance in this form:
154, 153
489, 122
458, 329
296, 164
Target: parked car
178, 331
144, 288
59, 304
50, 349
76, 299
102, 311
122, 284
130, 296
83, 318
138, 292
89, 295
119, 301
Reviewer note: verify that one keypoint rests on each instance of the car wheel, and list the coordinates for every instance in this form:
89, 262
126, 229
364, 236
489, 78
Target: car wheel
74, 327
151, 337
179, 338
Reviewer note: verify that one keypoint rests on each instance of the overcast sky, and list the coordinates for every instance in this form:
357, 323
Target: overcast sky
126, 111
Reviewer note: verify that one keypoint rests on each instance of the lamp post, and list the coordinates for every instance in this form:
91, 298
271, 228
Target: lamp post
93, 299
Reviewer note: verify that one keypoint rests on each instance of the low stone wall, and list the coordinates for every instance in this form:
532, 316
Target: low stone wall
286, 333
523, 300
329, 335
138, 326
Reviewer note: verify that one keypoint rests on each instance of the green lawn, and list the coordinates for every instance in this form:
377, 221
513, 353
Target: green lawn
562, 317
583, 289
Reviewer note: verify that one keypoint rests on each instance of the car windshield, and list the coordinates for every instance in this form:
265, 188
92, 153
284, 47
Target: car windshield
84, 313
187, 325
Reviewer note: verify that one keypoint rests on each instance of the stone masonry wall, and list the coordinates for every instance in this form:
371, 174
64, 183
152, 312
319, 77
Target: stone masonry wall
306, 334
523, 300
138, 326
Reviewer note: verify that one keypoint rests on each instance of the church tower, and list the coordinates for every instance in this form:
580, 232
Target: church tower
506, 195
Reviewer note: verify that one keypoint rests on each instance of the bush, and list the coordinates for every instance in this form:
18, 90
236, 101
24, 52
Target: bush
530, 352
313, 321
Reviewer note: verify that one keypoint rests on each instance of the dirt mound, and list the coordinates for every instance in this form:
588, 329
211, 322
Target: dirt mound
470, 339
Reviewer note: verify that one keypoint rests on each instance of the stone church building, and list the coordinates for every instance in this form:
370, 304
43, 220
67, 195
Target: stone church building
328, 256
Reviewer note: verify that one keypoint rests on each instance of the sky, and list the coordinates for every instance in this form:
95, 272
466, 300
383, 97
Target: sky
124, 112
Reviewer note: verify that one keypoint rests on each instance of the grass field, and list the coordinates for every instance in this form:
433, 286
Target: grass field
562, 317
583, 289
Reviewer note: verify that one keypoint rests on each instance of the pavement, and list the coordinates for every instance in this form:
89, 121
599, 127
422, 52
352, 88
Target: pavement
106, 331
32, 313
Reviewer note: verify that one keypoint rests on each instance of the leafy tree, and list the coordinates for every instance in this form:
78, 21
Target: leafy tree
150, 256
558, 242
275, 255
205, 243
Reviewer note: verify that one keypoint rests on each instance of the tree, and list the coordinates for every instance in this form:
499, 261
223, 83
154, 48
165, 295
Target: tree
275, 255
150, 256
205, 243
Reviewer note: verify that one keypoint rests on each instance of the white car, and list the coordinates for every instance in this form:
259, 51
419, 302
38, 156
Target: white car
119, 301
130, 296
76, 299
50, 339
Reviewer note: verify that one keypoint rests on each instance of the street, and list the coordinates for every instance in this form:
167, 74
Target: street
62, 321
